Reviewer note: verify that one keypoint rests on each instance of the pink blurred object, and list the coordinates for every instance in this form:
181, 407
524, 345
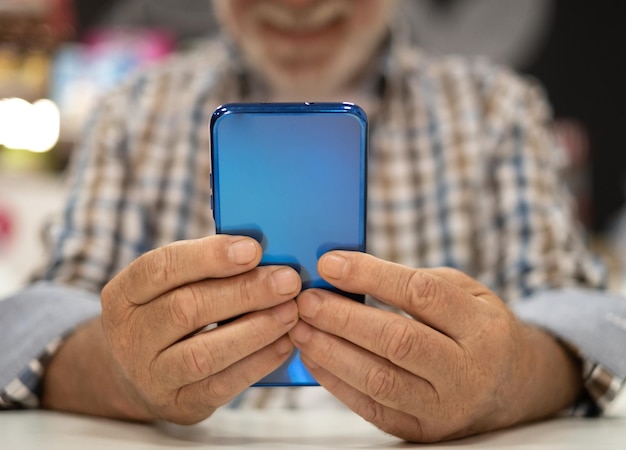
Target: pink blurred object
146, 45
573, 138
6, 226
83, 72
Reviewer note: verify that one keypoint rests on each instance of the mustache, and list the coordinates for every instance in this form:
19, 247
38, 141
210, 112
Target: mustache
314, 15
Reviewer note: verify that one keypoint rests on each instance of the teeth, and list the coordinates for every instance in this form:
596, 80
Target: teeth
318, 15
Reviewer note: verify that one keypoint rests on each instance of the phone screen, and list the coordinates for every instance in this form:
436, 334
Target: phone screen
292, 176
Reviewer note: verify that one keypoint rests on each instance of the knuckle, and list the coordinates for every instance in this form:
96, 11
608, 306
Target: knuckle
184, 308
327, 350
330, 351
422, 288
380, 382
401, 339
120, 328
370, 410
160, 264
244, 290
254, 288
343, 317
197, 362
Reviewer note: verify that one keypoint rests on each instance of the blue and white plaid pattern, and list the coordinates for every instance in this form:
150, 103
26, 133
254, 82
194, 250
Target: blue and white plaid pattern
25, 390
463, 173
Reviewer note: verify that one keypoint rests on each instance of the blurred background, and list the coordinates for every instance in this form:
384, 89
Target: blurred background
57, 57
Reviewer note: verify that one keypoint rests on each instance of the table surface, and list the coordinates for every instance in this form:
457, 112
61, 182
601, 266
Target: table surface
230, 429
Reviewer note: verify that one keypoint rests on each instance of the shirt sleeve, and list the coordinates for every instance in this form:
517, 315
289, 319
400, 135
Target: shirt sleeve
33, 324
593, 324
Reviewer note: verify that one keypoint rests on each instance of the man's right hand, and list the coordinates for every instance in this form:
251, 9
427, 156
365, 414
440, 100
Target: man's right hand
146, 359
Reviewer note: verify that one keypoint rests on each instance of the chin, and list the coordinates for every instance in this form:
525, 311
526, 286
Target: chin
315, 80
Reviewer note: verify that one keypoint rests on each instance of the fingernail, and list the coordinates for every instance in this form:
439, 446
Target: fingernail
242, 252
285, 281
300, 333
286, 313
334, 266
308, 304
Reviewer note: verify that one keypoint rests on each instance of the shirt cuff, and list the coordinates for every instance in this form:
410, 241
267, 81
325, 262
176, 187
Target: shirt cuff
593, 325
32, 326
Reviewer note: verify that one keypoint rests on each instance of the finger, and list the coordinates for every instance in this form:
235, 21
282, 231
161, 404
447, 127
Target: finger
389, 420
185, 310
211, 352
222, 387
407, 343
370, 374
180, 263
421, 293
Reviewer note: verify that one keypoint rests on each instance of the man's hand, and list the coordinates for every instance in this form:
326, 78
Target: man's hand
157, 364
461, 365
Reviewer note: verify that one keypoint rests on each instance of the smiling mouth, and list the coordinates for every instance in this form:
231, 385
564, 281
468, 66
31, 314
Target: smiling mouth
304, 34
323, 20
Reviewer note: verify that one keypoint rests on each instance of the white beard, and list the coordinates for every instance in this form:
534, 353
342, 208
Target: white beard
323, 81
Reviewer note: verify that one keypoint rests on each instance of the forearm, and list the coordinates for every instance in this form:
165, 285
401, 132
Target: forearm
82, 378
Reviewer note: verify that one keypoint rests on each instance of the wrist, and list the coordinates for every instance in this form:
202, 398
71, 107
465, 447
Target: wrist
554, 376
83, 378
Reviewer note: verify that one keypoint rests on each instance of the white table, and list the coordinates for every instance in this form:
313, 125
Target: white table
228, 429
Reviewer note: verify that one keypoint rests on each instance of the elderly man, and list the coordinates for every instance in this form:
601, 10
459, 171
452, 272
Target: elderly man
466, 215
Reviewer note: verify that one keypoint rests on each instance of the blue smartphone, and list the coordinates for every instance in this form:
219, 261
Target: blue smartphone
294, 177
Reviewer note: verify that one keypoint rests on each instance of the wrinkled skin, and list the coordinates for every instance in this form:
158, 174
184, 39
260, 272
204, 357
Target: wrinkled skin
459, 365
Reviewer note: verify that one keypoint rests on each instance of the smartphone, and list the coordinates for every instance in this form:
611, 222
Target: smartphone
293, 176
